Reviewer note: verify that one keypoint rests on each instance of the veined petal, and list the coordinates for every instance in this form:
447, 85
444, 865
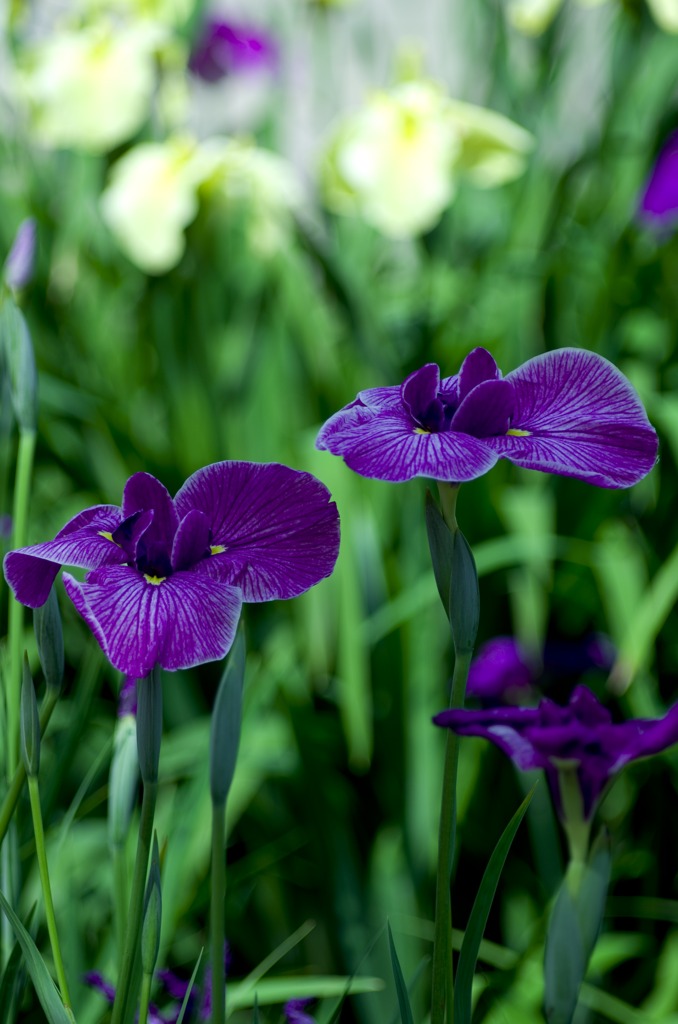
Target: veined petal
582, 418
180, 622
478, 366
278, 528
420, 390
191, 541
381, 398
142, 492
388, 447
85, 541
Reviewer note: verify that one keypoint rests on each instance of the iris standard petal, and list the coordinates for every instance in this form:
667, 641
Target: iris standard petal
479, 365
142, 492
180, 622
486, 410
85, 541
577, 415
278, 528
420, 390
191, 541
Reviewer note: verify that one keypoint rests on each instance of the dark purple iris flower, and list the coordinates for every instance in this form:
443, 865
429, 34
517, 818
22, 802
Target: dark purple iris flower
504, 673
224, 48
569, 412
295, 1011
658, 206
168, 576
579, 736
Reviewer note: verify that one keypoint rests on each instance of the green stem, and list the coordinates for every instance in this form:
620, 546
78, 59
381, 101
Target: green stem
34, 794
22, 485
217, 912
136, 902
14, 791
120, 903
146, 981
443, 974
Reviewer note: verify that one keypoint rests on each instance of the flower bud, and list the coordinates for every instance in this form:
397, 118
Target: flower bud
149, 724
50, 640
18, 269
226, 720
17, 351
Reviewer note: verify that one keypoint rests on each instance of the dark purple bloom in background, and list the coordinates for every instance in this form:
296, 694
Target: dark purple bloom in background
224, 48
127, 699
168, 576
295, 1011
580, 736
658, 206
569, 412
503, 672
19, 263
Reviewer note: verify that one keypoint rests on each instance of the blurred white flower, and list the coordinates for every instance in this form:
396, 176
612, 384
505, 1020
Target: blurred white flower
665, 13
151, 198
155, 190
533, 17
260, 181
395, 163
91, 89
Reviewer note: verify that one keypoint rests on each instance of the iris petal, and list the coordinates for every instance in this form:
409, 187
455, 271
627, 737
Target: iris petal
478, 366
84, 541
486, 410
183, 621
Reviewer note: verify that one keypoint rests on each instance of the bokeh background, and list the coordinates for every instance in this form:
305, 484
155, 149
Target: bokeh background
245, 214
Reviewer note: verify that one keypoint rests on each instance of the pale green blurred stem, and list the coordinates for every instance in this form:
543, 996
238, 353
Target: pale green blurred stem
146, 981
14, 791
22, 485
217, 900
577, 827
36, 812
120, 901
442, 994
133, 927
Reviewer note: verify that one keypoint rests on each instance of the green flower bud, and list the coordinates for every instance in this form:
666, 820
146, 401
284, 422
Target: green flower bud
30, 724
50, 640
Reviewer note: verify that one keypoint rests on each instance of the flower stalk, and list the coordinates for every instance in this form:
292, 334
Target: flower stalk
149, 729
217, 900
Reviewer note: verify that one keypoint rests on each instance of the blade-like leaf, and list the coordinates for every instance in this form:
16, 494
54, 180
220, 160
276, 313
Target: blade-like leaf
479, 914
45, 988
191, 983
406, 1015
464, 608
441, 546
226, 721
8, 984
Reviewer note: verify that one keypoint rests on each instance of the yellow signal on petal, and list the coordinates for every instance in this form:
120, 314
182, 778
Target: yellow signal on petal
108, 536
155, 580
420, 430
217, 549
515, 432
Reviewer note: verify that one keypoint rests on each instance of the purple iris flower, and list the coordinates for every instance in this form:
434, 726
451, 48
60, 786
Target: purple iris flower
579, 736
224, 48
504, 673
569, 412
295, 1011
167, 577
658, 206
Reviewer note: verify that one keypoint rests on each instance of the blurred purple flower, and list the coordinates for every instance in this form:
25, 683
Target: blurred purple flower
168, 576
658, 207
6, 526
295, 1011
504, 673
18, 268
224, 48
579, 736
569, 412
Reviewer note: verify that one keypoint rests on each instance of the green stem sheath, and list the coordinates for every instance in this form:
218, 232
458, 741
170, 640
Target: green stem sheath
36, 812
146, 981
121, 897
17, 784
22, 487
443, 975
217, 900
136, 902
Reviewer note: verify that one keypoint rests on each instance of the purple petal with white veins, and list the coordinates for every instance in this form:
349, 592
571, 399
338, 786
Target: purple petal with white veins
191, 541
183, 621
278, 527
478, 366
31, 571
486, 410
388, 447
420, 389
582, 418
380, 398
659, 202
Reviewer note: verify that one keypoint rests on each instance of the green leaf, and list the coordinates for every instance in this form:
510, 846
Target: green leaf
464, 596
279, 990
226, 722
45, 988
191, 983
8, 984
468, 955
441, 546
406, 1015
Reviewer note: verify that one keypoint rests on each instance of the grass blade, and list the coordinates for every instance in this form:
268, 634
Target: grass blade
45, 988
406, 1015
